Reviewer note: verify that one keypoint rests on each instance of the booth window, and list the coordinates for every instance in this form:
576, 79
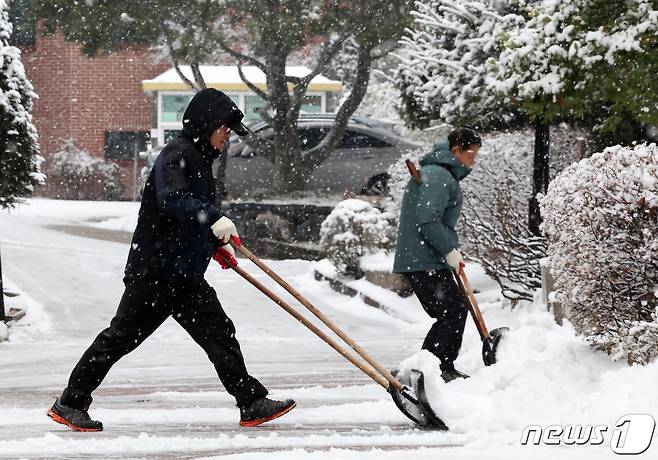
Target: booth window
122, 145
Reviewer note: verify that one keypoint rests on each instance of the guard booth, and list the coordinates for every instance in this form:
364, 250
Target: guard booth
171, 95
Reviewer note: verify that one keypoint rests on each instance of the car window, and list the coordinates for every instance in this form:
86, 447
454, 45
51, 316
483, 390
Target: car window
357, 140
311, 137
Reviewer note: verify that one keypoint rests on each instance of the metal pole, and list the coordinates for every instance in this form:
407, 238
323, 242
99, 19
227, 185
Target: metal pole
135, 158
540, 177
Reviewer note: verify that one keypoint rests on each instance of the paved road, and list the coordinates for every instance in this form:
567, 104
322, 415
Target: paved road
163, 400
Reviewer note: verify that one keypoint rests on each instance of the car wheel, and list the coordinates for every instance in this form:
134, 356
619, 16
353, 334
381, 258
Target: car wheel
376, 185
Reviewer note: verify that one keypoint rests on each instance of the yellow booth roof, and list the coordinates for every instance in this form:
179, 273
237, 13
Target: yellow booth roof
226, 78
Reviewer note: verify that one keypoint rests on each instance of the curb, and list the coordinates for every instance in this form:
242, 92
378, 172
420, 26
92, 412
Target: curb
342, 288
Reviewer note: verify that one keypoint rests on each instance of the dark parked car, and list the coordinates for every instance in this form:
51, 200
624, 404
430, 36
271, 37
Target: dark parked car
358, 164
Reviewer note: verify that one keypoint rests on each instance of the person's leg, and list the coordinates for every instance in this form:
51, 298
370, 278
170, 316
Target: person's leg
143, 308
440, 296
203, 317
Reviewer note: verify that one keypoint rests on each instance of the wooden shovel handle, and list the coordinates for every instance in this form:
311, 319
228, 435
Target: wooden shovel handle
331, 342
413, 171
466, 288
395, 383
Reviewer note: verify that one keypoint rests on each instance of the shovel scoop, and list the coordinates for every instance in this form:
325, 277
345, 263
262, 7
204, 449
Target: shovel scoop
419, 410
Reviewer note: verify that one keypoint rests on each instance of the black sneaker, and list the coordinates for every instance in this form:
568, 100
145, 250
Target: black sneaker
449, 373
263, 410
75, 419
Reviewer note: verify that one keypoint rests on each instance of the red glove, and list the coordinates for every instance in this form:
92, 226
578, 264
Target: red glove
225, 256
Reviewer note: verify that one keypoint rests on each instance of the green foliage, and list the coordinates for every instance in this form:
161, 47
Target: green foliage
593, 62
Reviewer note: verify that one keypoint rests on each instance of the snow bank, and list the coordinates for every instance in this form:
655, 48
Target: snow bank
544, 376
79, 211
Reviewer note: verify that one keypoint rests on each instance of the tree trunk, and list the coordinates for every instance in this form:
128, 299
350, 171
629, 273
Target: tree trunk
540, 176
289, 174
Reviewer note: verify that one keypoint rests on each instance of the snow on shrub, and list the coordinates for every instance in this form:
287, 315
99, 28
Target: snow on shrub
601, 221
353, 229
74, 173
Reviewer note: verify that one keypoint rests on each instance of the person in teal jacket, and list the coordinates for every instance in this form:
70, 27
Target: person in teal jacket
427, 250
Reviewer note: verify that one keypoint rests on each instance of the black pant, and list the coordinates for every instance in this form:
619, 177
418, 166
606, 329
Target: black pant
145, 305
440, 296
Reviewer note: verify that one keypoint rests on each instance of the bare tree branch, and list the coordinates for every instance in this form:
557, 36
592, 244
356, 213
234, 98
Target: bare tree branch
250, 85
174, 60
242, 57
385, 49
198, 78
318, 154
301, 86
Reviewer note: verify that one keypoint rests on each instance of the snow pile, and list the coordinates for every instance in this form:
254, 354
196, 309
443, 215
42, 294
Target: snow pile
4, 332
544, 376
123, 223
601, 220
352, 229
76, 174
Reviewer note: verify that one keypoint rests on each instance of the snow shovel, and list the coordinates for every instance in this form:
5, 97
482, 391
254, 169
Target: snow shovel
409, 397
490, 339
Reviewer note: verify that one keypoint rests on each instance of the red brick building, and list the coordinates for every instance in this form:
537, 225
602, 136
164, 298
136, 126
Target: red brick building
97, 102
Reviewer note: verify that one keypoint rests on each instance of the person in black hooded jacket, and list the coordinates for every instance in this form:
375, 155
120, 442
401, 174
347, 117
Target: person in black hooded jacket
178, 231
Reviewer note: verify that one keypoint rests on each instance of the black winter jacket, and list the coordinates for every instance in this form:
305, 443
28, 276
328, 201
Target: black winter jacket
173, 241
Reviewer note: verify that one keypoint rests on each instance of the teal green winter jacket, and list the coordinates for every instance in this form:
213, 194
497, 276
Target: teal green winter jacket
429, 214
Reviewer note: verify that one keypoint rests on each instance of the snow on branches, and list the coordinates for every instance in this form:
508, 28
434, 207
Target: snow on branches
353, 229
19, 148
601, 221
443, 59
568, 44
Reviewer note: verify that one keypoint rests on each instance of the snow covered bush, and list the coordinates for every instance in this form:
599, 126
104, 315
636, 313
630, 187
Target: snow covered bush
443, 61
354, 228
19, 148
75, 174
601, 221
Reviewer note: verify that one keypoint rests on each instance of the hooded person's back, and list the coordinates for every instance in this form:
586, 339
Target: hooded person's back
172, 241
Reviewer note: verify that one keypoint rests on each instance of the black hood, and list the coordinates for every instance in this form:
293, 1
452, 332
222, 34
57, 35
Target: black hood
209, 109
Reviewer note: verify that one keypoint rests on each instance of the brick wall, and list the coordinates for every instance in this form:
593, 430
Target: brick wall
81, 98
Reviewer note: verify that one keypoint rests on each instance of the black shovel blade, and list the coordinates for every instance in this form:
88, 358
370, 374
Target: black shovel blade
414, 403
490, 345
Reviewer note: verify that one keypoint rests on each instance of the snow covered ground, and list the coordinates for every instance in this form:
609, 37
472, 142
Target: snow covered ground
164, 401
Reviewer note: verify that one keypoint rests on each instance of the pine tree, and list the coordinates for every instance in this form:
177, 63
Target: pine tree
19, 148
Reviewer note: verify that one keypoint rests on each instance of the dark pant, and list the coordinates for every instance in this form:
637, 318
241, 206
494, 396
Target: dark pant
145, 305
440, 296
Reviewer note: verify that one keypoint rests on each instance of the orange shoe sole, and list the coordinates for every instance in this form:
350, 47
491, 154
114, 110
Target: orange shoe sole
59, 419
259, 421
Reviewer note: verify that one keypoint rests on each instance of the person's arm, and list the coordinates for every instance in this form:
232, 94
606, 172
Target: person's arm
174, 195
434, 194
